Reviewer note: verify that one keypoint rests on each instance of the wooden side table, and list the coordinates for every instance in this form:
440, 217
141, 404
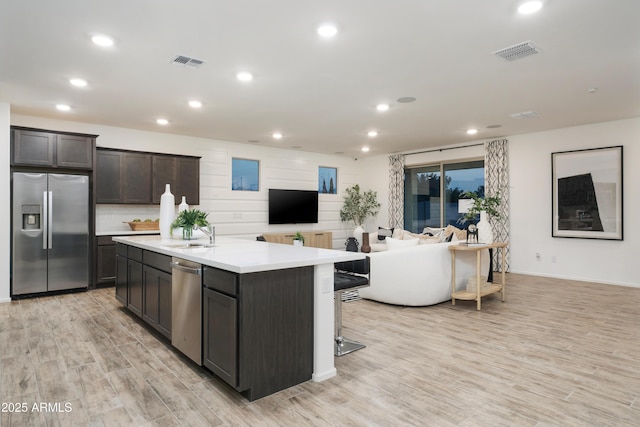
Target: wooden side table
493, 288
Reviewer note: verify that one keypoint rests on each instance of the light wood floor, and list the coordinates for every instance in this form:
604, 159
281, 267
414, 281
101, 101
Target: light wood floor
556, 353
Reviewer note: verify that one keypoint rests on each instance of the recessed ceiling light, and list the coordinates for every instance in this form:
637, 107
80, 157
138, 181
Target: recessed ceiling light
592, 90
382, 107
195, 103
327, 30
244, 76
277, 135
78, 82
102, 40
63, 107
406, 99
472, 131
365, 149
162, 122
372, 133
530, 7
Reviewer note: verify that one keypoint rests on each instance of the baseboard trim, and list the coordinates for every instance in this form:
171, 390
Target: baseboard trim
579, 279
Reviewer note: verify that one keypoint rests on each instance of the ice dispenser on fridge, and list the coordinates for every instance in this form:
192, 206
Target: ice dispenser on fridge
31, 217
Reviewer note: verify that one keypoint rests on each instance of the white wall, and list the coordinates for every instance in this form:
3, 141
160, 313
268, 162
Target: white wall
5, 208
582, 259
530, 170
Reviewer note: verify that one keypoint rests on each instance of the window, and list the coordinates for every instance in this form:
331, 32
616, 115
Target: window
431, 193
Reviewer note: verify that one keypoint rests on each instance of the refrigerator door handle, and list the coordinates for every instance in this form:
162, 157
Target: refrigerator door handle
50, 220
45, 225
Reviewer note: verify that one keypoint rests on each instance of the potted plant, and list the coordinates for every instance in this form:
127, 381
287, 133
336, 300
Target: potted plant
298, 239
187, 219
357, 207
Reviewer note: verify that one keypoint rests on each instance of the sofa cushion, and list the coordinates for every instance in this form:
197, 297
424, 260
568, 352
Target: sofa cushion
378, 247
460, 234
393, 244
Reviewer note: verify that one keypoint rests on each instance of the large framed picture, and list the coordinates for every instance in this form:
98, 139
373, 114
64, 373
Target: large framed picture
587, 193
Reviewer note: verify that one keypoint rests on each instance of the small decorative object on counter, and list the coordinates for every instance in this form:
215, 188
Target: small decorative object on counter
183, 206
351, 244
167, 212
188, 219
298, 239
472, 234
366, 248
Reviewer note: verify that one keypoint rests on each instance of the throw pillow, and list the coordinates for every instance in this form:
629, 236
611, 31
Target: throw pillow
384, 233
460, 234
393, 244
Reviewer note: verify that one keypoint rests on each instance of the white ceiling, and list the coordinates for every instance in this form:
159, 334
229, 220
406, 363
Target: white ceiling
321, 94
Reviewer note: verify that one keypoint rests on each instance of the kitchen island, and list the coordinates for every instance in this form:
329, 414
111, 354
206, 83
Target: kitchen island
269, 291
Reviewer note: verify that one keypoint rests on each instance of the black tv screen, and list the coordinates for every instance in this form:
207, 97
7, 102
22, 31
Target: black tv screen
293, 206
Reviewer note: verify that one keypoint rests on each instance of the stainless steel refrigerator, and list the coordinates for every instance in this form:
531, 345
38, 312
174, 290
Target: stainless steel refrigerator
50, 232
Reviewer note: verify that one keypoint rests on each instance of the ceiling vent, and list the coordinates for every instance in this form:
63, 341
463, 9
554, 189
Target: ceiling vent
185, 61
524, 115
518, 51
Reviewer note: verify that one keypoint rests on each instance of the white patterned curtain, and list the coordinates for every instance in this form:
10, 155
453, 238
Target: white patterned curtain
396, 191
496, 181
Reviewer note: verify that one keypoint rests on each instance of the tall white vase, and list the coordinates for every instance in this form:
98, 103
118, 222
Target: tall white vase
485, 231
167, 212
183, 206
357, 233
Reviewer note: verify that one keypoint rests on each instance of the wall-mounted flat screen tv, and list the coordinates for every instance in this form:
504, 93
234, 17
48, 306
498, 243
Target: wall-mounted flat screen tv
293, 206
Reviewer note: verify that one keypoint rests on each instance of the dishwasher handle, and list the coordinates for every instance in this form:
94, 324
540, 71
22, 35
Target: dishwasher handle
177, 266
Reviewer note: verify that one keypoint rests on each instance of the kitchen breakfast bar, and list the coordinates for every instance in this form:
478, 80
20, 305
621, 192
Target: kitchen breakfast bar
258, 315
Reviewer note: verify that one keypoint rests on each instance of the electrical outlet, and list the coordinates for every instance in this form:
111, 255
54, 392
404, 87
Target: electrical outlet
538, 257
554, 259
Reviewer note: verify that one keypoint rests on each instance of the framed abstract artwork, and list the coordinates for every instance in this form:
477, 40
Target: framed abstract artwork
245, 175
327, 180
587, 193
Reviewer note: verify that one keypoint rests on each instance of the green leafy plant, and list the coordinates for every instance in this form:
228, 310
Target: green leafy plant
299, 236
358, 206
190, 217
488, 204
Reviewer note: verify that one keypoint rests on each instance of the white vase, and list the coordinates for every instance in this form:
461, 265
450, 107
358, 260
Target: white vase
485, 231
357, 233
298, 243
183, 206
167, 212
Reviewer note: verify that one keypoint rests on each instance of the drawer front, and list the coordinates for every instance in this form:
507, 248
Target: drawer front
121, 249
134, 254
105, 240
156, 260
220, 280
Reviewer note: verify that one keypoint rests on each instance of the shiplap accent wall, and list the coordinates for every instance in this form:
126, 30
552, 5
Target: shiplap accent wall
236, 213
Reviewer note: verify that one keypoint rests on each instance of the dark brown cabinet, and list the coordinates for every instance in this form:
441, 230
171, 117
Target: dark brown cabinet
134, 280
258, 328
122, 275
156, 285
105, 260
140, 178
52, 150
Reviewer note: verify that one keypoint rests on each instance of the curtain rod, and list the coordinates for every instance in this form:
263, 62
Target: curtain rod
444, 149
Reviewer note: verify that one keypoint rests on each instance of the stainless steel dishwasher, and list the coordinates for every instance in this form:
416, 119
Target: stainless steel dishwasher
186, 308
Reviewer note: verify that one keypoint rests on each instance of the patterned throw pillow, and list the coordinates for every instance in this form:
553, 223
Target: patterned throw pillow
384, 232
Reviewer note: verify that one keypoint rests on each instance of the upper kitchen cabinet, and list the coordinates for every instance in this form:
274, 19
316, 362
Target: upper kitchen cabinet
32, 147
135, 177
183, 173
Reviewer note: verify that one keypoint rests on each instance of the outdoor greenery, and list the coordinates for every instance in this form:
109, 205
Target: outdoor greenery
488, 204
358, 206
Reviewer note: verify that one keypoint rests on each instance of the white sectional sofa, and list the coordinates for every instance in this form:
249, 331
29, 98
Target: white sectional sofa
419, 275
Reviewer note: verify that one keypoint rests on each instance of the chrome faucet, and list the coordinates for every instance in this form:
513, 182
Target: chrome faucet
209, 231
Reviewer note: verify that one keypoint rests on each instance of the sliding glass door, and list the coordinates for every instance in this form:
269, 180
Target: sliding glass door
431, 193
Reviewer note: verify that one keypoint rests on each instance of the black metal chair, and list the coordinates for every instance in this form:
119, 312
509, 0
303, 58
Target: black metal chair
349, 275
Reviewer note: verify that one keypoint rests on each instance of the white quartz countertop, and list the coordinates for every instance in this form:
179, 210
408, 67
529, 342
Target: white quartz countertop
241, 255
127, 233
